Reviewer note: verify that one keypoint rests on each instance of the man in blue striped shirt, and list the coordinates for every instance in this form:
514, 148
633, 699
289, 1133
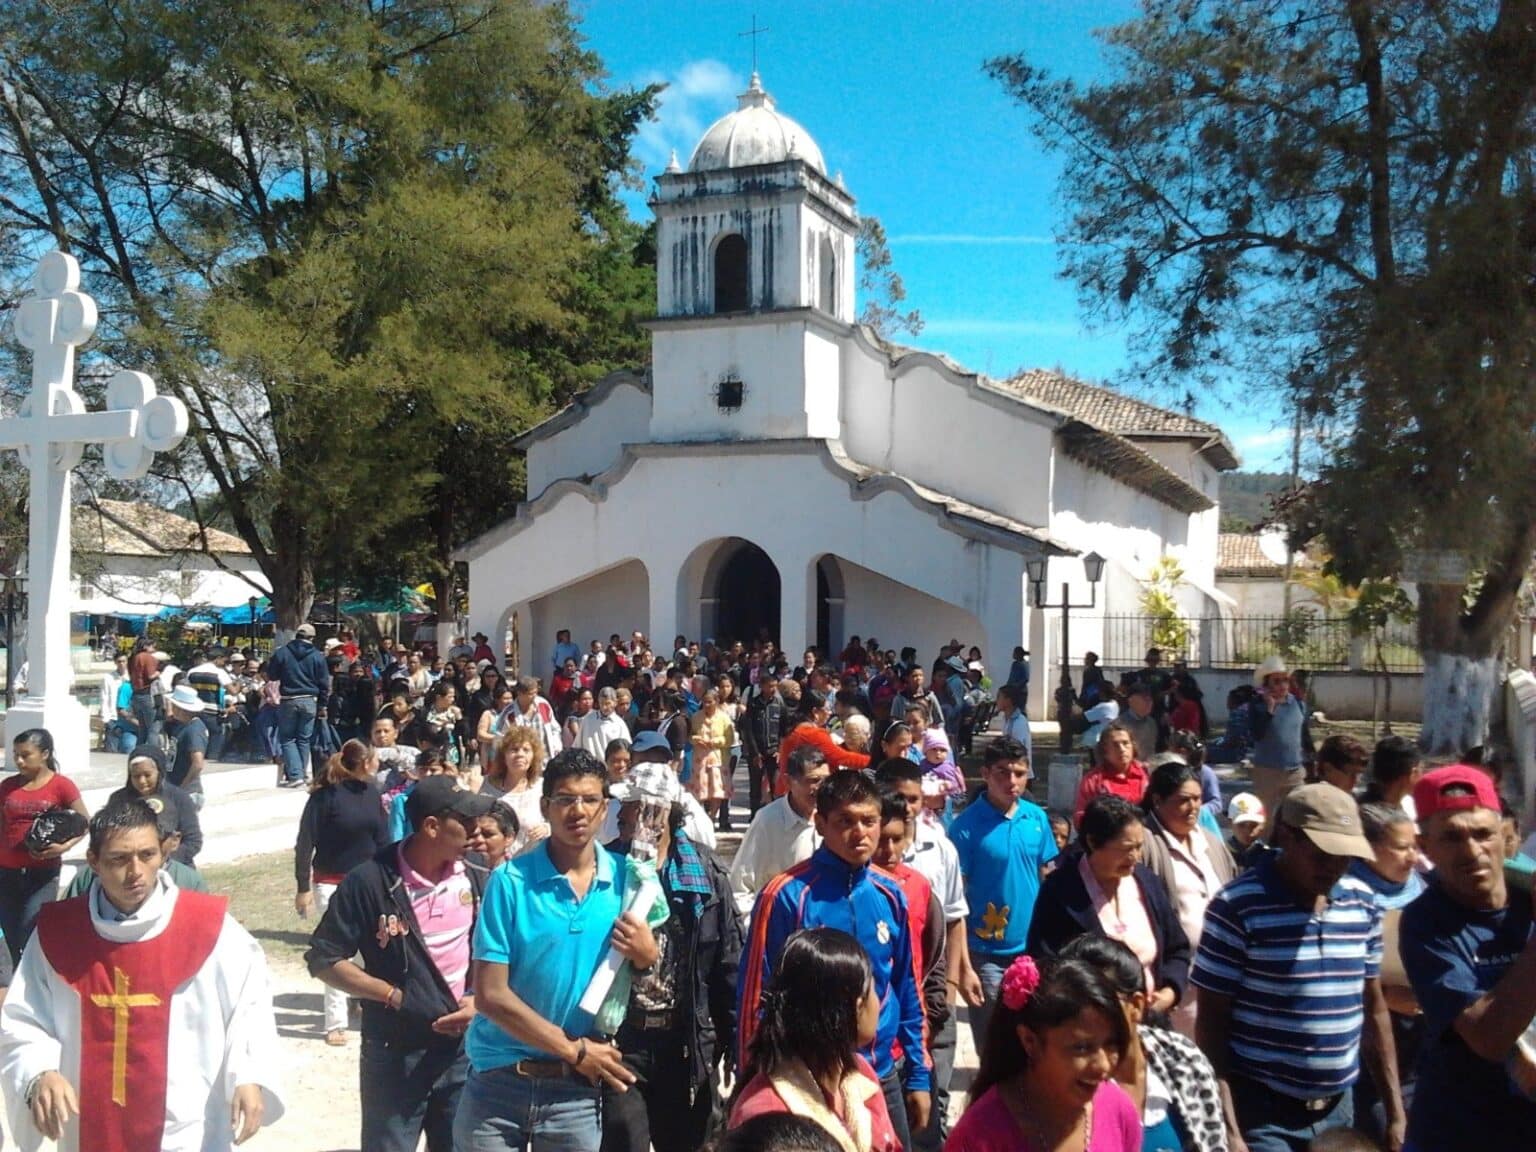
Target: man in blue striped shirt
1287, 973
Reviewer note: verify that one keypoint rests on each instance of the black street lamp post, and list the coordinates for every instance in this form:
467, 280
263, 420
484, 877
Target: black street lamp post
1066, 695
252, 604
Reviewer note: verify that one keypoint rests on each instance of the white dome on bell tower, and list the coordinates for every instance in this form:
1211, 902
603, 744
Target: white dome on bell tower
755, 133
755, 251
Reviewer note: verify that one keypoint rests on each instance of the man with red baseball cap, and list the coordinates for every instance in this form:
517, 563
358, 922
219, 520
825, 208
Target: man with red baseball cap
1470, 955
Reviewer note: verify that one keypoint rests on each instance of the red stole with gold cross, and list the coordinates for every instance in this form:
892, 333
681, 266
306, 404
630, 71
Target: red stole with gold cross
125, 990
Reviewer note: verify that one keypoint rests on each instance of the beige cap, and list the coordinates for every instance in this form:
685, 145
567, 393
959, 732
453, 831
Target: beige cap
1330, 818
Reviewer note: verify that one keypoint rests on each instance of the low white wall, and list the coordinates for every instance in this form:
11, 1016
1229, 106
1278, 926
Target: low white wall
1338, 695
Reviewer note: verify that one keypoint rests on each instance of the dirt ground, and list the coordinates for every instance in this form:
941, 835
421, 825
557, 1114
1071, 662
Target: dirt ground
318, 1083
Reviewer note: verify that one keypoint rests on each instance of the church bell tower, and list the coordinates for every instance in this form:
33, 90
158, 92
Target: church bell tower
754, 284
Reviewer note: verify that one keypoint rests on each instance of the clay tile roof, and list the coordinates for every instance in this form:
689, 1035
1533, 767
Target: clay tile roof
1116, 412
1116, 456
118, 528
1239, 554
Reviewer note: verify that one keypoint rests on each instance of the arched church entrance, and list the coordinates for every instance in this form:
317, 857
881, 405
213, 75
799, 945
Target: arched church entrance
746, 593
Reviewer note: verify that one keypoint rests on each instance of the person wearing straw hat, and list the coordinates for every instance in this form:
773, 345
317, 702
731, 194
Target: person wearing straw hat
1280, 737
190, 733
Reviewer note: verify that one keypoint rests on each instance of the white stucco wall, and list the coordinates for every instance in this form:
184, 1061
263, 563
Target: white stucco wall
920, 421
788, 365
620, 415
898, 616
140, 585
780, 210
810, 511
614, 600
1198, 551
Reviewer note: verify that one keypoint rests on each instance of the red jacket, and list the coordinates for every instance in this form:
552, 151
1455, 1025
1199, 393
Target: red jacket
820, 739
1132, 786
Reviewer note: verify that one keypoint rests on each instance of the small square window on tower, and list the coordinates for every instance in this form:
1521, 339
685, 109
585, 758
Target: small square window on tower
729, 393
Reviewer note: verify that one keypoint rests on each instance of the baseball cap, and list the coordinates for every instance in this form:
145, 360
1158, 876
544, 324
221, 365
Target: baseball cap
332, 643
648, 782
1246, 808
1455, 788
1329, 817
305, 631
650, 742
441, 796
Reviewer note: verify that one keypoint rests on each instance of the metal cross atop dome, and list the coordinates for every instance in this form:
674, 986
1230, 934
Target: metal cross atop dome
754, 32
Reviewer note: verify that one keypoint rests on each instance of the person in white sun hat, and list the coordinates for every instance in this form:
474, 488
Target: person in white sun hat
190, 734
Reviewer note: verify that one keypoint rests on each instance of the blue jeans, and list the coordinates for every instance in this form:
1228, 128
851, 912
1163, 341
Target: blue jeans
408, 1091
295, 729
146, 716
501, 1111
989, 969
1272, 1122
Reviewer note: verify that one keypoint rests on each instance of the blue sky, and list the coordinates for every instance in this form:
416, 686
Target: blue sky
894, 94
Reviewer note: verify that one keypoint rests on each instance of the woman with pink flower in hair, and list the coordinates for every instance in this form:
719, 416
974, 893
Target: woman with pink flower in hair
1046, 1083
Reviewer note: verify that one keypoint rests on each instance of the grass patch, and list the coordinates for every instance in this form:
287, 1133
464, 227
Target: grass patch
260, 892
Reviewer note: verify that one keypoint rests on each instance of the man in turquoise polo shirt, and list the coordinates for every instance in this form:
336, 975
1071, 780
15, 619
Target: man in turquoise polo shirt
1004, 841
548, 916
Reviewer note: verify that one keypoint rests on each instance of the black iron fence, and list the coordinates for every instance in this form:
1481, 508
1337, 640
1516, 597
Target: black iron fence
1305, 638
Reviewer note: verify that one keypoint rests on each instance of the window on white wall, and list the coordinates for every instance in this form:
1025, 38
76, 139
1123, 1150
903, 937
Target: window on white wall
826, 298
732, 275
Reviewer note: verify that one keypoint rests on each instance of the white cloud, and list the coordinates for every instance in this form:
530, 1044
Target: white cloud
1253, 442
974, 239
696, 95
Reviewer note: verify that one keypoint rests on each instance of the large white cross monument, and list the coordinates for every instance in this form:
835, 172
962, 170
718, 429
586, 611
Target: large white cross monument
49, 432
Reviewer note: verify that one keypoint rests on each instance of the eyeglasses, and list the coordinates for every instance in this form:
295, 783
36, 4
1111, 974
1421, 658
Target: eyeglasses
564, 801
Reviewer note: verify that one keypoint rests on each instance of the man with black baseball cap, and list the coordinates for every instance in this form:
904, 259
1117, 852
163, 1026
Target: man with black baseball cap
410, 913
1468, 949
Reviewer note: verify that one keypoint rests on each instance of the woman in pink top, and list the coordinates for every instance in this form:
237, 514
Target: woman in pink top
818, 1011
1045, 1079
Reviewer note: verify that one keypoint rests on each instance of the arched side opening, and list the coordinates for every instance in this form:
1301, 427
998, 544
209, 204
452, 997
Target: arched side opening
732, 274
831, 602
826, 296
734, 587
747, 596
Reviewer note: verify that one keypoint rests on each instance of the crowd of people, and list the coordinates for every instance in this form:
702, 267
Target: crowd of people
1333, 960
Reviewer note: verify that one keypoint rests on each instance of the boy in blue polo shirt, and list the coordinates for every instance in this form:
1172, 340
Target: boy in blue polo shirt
1004, 842
535, 1070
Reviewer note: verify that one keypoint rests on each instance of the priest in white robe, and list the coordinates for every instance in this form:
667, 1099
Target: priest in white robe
140, 1014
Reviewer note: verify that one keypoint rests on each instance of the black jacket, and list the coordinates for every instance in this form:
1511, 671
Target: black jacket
179, 801
710, 954
763, 724
1063, 912
357, 925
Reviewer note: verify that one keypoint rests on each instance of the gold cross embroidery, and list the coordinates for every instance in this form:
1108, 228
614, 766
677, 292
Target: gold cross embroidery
121, 1003
994, 923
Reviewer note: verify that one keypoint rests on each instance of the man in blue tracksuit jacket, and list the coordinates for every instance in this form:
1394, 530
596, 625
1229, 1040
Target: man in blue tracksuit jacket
836, 888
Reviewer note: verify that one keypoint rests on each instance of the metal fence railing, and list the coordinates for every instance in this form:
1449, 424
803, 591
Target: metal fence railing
1306, 639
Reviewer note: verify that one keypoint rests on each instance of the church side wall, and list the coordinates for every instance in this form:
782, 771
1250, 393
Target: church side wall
1130, 529
591, 445
1199, 551
898, 615
937, 432
616, 600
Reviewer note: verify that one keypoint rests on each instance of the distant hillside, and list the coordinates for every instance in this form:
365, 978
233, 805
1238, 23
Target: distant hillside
1245, 498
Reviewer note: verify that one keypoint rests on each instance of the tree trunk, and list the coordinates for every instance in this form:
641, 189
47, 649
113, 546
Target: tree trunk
290, 569
1458, 693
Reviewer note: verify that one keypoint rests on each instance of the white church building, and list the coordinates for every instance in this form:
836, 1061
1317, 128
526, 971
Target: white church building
781, 468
